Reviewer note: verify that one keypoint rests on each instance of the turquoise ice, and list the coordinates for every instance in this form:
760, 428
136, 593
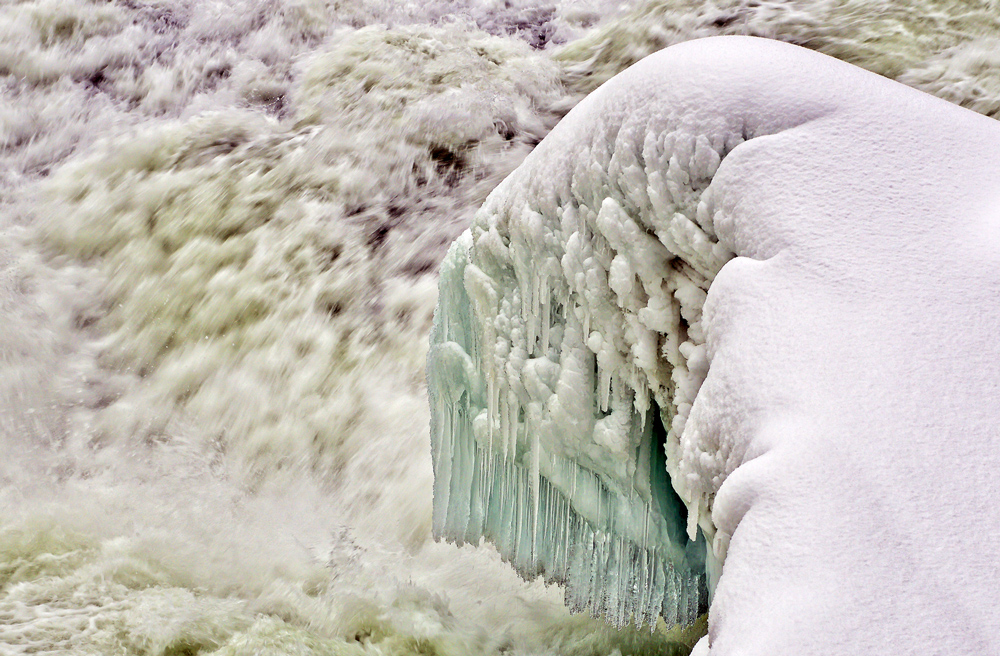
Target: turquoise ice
615, 535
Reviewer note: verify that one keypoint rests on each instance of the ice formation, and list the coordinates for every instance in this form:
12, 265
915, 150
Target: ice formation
568, 348
811, 250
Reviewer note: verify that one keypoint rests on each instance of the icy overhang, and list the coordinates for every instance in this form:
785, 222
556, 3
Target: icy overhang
782, 271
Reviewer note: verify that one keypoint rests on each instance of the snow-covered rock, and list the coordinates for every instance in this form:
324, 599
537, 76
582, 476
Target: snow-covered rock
782, 271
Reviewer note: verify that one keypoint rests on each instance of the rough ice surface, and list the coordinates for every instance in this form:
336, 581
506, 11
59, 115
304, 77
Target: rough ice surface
787, 267
544, 453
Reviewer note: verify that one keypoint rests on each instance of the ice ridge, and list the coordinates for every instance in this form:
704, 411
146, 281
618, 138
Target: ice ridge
566, 353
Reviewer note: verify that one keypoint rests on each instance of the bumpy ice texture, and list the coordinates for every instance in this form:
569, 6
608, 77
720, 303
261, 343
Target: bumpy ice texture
822, 394
566, 353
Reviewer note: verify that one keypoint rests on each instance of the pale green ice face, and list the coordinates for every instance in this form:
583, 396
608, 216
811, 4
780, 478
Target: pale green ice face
567, 483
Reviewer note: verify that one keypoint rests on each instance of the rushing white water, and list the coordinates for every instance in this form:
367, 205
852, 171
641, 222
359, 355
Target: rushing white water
221, 223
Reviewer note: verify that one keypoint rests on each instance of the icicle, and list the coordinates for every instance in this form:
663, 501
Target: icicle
641, 401
535, 462
604, 378
512, 422
694, 512
493, 396
530, 313
544, 312
504, 425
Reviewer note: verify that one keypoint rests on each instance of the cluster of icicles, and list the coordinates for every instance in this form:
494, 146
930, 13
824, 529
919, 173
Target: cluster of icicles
566, 353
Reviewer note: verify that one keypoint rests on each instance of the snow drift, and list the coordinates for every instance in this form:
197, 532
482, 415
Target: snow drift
737, 314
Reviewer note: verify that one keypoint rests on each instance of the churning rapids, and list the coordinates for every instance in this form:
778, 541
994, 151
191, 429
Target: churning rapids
221, 228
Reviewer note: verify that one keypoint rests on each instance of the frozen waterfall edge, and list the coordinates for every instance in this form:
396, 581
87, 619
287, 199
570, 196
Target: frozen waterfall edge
568, 348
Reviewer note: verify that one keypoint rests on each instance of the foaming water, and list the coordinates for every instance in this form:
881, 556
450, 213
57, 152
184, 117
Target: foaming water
938, 46
220, 233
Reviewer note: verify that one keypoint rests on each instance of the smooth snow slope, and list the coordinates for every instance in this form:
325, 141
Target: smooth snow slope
852, 363
840, 449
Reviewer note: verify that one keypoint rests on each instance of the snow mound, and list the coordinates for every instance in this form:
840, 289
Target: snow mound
781, 271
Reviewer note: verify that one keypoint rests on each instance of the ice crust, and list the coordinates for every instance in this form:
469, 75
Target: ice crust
826, 393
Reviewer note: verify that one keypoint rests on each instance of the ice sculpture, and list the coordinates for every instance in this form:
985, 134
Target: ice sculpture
566, 353
595, 331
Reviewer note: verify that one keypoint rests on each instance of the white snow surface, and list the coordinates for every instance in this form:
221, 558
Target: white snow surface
833, 428
852, 360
